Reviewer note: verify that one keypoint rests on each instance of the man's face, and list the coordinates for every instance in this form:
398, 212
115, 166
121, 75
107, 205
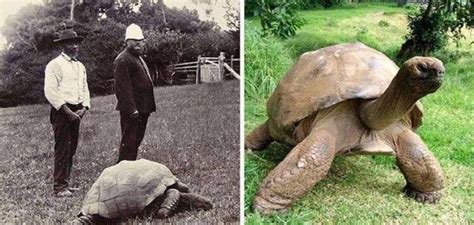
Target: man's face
137, 45
71, 48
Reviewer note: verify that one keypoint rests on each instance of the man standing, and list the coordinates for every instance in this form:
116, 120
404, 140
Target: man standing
65, 87
134, 91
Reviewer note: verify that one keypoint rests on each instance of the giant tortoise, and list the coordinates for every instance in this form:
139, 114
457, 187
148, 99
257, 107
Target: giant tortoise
126, 188
342, 100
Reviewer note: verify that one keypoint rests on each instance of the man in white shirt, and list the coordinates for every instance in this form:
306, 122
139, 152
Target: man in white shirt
65, 87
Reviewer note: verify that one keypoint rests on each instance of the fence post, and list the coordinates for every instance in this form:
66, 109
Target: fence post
232, 61
198, 70
221, 59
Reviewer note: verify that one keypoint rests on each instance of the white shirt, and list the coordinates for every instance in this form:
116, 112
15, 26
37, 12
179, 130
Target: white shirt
65, 81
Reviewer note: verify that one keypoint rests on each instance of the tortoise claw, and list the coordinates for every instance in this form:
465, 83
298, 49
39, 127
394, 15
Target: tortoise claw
164, 213
85, 220
265, 207
423, 197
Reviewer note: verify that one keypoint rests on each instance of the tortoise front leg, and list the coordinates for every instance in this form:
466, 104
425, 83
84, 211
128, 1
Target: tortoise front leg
88, 220
169, 203
259, 138
419, 167
306, 164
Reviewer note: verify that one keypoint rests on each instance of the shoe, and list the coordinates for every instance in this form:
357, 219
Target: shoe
73, 189
64, 193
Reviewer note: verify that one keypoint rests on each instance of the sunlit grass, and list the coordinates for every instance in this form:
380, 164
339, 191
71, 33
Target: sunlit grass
366, 189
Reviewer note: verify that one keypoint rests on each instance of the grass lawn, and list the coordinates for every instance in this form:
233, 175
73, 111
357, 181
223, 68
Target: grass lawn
365, 189
195, 132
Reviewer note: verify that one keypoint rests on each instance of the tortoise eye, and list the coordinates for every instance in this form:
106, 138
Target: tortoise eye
422, 67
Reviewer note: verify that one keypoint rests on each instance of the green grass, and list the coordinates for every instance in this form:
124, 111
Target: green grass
194, 132
366, 189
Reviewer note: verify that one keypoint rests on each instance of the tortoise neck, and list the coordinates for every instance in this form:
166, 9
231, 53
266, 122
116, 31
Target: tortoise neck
391, 106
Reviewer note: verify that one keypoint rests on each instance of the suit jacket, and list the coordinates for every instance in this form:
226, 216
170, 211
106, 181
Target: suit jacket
133, 86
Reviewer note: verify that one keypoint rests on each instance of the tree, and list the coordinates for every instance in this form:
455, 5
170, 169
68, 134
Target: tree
431, 27
232, 16
172, 36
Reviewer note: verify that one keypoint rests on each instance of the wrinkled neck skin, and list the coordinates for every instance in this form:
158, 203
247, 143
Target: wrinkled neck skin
391, 106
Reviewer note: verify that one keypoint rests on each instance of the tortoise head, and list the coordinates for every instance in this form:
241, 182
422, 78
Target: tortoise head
423, 75
194, 201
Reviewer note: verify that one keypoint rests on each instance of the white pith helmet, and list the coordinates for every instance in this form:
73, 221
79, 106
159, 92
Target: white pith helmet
134, 32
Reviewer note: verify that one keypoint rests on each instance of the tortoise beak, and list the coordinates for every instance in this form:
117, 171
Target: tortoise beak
430, 73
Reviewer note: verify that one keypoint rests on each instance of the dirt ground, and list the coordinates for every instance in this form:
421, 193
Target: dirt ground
195, 132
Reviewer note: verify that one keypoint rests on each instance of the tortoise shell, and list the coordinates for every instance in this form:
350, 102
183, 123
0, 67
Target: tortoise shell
328, 76
127, 188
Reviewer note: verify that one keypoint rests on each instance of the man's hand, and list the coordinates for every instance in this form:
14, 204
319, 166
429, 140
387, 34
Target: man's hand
134, 115
81, 112
69, 113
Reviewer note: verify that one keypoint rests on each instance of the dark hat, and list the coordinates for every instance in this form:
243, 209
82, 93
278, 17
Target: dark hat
68, 35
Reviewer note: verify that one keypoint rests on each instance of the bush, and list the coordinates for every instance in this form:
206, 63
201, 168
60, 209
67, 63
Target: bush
316, 4
431, 27
279, 17
428, 32
30, 36
102, 43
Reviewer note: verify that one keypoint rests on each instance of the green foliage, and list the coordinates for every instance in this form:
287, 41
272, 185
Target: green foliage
431, 27
329, 3
279, 17
427, 32
365, 189
251, 8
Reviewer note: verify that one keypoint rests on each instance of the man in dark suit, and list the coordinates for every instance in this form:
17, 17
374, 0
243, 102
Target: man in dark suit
134, 91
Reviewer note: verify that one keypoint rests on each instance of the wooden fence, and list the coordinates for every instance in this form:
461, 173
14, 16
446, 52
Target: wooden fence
204, 69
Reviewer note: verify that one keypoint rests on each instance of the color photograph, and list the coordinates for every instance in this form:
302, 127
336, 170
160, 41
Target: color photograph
387, 83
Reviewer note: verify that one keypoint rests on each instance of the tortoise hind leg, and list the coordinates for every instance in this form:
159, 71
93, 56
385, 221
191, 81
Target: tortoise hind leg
306, 164
259, 138
419, 167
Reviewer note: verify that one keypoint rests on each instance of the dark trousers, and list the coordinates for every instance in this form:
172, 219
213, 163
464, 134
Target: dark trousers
133, 131
66, 136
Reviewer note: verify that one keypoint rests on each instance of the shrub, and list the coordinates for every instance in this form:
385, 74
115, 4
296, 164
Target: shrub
31, 32
279, 17
431, 27
314, 4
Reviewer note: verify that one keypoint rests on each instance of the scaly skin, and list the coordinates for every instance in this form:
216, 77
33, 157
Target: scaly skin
304, 166
333, 131
259, 138
169, 203
419, 167
409, 85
